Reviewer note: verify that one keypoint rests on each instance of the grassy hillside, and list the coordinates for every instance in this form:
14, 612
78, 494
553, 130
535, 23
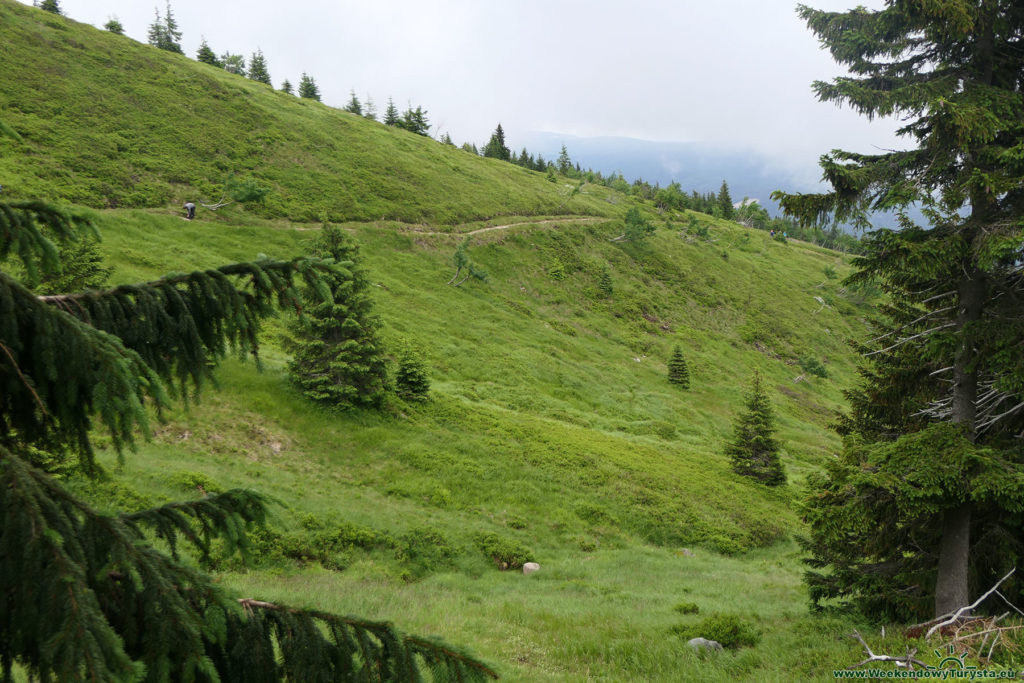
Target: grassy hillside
551, 425
110, 122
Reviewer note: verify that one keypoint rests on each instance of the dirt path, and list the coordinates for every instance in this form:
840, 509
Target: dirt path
580, 219
574, 219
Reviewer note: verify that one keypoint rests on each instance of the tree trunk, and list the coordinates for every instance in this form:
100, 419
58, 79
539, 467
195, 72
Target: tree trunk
951, 584
951, 581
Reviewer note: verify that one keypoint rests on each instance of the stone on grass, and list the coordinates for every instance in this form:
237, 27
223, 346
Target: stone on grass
530, 567
699, 644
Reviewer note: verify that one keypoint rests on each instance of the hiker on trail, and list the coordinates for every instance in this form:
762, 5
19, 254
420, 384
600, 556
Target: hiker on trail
773, 233
190, 210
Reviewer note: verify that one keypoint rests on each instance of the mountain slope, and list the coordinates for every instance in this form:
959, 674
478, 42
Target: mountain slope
110, 122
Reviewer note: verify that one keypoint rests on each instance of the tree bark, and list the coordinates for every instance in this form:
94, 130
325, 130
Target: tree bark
951, 584
952, 577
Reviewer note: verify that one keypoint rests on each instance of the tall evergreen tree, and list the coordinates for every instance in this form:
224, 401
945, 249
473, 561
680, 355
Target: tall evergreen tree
952, 70
564, 162
411, 380
724, 199
286, 86
207, 56
258, 68
50, 6
370, 109
338, 357
308, 88
415, 121
496, 147
354, 106
89, 596
391, 116
753, 451
678, 370
164, 32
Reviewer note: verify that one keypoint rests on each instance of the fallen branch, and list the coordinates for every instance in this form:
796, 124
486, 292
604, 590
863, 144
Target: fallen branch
906, 660
952, 617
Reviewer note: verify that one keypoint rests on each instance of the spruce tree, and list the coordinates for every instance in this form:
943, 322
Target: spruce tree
411, 380
50, 6
354, 106
564, 162
950, 350
338, 357
391, 116
728, 211
678, 370
496, 147
286, 86
91, 596
164, 33
753, 451
605, 285
258, 68
370, 109
207, 56
114, 26
308, 88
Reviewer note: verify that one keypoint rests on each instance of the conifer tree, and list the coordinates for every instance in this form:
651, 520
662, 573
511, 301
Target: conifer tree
446, 139
605, 285
258, 68
114, 26
89, 596
728, 211
308, 88
949, 351
50, 6
164, 33
391, 116
564, 162
338, 357
207, 56
415, 121
354, 106
753, 451
370, 109
411, 380
678, 370
286, 86
496, 147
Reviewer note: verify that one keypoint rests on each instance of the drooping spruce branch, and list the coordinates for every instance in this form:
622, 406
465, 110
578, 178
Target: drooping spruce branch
24, 230
97, 602
179, 324
56, 372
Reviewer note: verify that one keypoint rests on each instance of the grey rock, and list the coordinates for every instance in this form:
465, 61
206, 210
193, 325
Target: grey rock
700, 644
530, 567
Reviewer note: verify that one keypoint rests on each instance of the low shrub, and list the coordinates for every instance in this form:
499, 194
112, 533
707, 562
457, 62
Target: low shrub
505, 553
731, 630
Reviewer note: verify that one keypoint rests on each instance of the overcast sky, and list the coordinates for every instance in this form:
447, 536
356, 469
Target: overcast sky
733, 73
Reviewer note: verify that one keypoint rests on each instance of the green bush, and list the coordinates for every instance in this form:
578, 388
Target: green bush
505, 553
687, 608
424, 550
731, 630
195, 481
812, 366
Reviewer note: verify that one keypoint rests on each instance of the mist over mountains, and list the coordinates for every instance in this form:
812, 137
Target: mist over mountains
694, 165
